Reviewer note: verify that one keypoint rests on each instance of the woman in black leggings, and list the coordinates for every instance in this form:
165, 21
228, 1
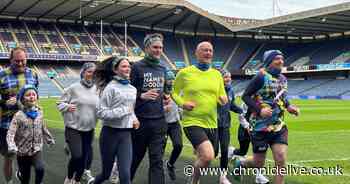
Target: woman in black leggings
78, 107
116, 110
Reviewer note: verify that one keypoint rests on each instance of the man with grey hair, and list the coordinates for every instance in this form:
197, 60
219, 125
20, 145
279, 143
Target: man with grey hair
198, 89
148, 77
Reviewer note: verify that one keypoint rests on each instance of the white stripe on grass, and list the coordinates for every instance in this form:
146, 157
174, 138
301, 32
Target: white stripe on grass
322, 160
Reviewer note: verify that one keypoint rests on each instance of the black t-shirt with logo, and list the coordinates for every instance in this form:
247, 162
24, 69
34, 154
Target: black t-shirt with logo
145, 76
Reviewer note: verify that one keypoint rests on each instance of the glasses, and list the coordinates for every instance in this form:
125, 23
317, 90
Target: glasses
19, 61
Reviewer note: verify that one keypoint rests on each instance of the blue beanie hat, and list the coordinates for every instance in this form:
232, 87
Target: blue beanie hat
269, 56
24, 89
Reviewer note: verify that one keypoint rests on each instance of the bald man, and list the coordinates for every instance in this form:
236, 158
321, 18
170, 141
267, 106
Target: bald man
198, 89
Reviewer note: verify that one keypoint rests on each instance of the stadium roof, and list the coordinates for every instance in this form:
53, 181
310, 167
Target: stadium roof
181, 16
317, 23
167, 15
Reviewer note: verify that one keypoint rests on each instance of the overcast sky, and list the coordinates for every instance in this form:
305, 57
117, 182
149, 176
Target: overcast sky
260, 9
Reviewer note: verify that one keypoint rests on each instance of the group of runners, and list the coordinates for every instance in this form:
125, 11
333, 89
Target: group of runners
140, 105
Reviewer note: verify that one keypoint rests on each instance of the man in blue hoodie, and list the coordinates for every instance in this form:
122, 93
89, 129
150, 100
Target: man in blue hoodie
148, 77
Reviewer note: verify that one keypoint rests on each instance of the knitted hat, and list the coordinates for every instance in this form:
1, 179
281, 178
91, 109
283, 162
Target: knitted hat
117, 60
85, 67
151, 38
269, 56
23, 90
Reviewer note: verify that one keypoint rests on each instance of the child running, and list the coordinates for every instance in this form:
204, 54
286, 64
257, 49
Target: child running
26, 135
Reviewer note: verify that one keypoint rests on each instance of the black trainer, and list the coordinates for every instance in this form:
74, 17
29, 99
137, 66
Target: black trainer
171, 171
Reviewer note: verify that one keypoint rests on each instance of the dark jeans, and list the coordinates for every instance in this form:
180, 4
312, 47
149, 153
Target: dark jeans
80, 146
24, 167
115, 143
224, 142
151, 136
175, 134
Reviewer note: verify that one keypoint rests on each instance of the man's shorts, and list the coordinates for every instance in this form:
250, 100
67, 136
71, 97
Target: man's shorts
3, 143
197, 135
262, 140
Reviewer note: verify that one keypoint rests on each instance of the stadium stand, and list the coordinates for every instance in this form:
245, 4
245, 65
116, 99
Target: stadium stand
48, 88
237, 47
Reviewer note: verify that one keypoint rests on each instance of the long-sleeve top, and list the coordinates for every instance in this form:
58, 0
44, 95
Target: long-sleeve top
116, 106
10, 83
144, 77
224, 115
84, 117
260, 93
204, 88
173, 115
26, 136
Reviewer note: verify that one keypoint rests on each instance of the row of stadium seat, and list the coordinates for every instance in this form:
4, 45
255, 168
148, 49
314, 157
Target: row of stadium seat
77, 39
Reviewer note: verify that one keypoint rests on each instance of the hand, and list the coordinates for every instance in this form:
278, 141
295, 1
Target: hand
189, 106
51, 142
223, 100
136, 124
11, 152
248, 129
266, 112
167, 108
12, 101
293, 110
150, 95
167, 99
262, 71
72, 107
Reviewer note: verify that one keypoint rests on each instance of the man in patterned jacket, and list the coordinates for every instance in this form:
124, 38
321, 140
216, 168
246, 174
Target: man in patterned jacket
12, 79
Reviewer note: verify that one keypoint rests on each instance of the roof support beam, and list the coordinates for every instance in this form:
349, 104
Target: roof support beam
196, 25
137, 13
27, 9
310, 27
300, 27
94, 12
6, 6
148, 17
170, 14
74, 10
52, 9
321, 24
213, 27
275, 32
182, 20
121, 10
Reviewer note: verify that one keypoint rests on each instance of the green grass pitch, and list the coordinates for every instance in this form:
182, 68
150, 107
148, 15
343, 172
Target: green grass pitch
317, 138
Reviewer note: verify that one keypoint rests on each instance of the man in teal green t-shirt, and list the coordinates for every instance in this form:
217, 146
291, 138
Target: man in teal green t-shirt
198, 89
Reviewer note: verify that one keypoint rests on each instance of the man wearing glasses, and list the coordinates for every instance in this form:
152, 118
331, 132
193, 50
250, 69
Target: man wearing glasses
12, 79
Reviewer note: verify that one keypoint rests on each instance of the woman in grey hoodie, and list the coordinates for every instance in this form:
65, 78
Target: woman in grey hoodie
78, 107
116, 110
